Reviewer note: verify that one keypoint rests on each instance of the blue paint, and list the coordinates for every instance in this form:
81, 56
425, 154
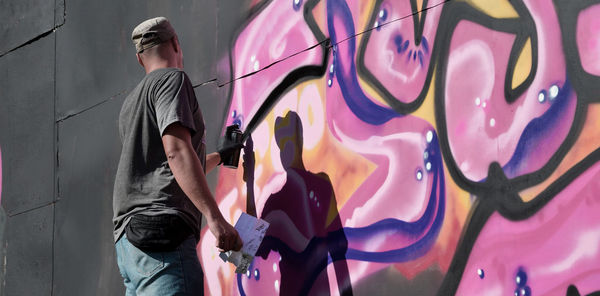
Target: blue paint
239, 284
425, 45
256, 274
524, 291
421, 58
481, 273
521, 278
383, 15
543, 94
415, 55
537, 130
398, 41
358, 102
297, 4
409, 55
427, 222
431, 221
405, 45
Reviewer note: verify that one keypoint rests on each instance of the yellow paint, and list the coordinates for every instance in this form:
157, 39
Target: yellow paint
496, 8
332, 213
420, 9
458, 205
427, 111
523, 67
346, 169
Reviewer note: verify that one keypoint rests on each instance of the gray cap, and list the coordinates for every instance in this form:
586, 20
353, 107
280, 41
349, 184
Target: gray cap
152, 32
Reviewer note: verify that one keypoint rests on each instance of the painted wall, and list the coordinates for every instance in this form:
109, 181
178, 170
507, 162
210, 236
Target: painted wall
416, 147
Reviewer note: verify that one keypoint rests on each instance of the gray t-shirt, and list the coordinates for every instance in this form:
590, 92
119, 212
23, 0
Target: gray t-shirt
144, 182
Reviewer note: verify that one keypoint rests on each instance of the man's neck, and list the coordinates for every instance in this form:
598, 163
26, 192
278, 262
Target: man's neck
161, 64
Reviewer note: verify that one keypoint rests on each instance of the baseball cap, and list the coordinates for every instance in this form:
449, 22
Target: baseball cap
152, 32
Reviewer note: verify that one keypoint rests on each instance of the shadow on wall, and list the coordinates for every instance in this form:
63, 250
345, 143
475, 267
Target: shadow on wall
452, 136
305, 223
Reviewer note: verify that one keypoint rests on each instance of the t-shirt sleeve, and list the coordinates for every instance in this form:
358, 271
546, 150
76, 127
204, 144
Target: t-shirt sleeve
175, 102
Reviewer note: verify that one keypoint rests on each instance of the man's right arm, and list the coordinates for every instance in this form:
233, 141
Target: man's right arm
189, 174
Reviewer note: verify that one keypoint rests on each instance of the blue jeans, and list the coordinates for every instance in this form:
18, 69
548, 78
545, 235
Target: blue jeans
176, 272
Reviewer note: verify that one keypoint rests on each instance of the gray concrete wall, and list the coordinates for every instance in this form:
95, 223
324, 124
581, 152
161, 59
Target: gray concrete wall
65, 69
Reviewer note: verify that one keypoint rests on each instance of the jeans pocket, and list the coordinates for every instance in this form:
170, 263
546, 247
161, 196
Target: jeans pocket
146, 263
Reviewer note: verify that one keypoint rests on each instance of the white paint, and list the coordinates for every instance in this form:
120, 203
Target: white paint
541, 97
274, 267
256, 66
429, 136
492, 122
553, 91
428, 166
477, 101
587, 247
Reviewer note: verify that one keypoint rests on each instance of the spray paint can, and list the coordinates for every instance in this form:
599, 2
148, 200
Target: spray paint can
233, 134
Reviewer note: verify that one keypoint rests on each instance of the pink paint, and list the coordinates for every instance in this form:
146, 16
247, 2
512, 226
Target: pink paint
557, 247
482, 128
403, 76
477, 67
260, 44
588, 39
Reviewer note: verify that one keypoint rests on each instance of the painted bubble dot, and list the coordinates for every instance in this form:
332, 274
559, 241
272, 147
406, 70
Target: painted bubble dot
383, 15
428, 166
523, 291
419, 175
311, 194
376, 25
329, 82
331, 69
492, 122
477, 101
274, 267
297, 4
425, 155
277, 285
484, 104
256, 66
521, 278
248, 274
554, 91
317, 204
256, 274
480, 273
542, 96
429, 136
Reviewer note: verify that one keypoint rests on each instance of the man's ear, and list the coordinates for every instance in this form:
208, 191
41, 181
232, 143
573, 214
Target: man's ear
137, 55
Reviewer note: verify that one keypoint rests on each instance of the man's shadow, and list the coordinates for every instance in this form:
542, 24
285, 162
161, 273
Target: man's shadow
305, 226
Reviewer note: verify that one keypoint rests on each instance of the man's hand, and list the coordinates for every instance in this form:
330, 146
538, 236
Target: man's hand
226, 235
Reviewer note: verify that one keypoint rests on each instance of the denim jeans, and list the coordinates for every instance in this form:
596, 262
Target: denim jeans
176, 272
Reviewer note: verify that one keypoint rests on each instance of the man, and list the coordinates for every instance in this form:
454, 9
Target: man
160, 191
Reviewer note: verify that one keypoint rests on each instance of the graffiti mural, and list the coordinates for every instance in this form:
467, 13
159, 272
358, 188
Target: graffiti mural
416, 147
